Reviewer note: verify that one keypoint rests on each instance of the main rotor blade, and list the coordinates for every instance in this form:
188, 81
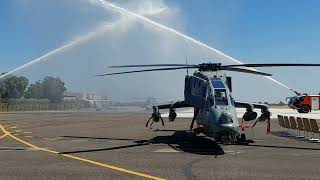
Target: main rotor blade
274, 65
153, 65
146, 70
245, 71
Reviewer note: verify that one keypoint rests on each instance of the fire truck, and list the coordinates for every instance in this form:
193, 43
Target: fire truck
305, 103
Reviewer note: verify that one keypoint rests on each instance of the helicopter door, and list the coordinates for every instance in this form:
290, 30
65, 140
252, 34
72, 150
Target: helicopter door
195, 91
315, 103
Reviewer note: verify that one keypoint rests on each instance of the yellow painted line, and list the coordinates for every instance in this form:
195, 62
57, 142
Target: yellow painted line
13, 127
3, 136
24, 142
31, 145
79, 158
113, 167
18, 131
28, 136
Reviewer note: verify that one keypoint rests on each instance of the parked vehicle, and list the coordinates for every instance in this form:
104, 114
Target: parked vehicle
305, 103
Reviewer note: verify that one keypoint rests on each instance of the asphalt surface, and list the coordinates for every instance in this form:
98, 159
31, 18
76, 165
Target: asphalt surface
118, 146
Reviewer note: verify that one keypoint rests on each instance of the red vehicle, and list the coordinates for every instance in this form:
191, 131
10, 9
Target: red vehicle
305, 103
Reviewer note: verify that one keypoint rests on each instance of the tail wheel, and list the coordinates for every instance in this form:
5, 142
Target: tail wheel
305, 109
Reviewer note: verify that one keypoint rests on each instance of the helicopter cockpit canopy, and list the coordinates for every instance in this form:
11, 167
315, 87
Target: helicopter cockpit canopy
220, 93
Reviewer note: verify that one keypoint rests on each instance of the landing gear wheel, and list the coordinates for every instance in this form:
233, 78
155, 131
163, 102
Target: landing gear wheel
242, 140
243, 137
305, 109
198, 130
191, 134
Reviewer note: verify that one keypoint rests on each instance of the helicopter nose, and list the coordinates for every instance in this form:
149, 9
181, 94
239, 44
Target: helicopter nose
226, 119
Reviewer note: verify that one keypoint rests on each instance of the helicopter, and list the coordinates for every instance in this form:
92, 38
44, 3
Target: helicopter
209, 92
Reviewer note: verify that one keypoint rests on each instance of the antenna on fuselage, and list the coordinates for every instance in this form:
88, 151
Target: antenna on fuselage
187, 64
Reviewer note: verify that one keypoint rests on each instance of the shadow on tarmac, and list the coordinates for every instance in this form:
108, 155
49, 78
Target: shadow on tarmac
284, 147
179, 141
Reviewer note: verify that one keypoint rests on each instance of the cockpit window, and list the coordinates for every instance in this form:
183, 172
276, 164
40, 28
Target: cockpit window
218, 84
221, 97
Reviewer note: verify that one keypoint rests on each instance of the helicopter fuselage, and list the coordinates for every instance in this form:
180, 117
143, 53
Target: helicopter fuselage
210, 95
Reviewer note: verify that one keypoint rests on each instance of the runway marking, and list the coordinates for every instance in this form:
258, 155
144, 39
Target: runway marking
166, 150
17, 149
234, 152
79, 158
27, 132
258, 140
79, 140
3, 136
51, 139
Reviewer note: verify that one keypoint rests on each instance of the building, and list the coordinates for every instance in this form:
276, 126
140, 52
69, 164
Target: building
83, 96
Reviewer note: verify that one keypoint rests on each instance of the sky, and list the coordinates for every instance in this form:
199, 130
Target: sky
286, 31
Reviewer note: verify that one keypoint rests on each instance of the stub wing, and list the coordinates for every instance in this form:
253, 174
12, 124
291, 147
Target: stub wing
251, 106
172, 107
250, 115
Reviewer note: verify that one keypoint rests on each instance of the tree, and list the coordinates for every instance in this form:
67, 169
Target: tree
3, 89
53, 89
13, 87
49, 88
34, 91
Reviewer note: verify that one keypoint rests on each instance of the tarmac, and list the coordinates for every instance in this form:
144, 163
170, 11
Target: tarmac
100, 145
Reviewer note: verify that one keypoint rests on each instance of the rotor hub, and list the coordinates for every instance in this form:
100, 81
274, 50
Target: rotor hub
210, 67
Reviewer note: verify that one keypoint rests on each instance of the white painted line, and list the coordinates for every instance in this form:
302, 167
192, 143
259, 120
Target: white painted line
166, 150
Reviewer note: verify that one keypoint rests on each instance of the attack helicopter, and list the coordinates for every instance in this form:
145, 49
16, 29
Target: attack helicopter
209, 92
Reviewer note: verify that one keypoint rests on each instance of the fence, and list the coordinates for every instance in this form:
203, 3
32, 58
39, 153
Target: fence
42, 106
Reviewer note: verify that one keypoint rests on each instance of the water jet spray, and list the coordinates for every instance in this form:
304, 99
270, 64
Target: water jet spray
218, 53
